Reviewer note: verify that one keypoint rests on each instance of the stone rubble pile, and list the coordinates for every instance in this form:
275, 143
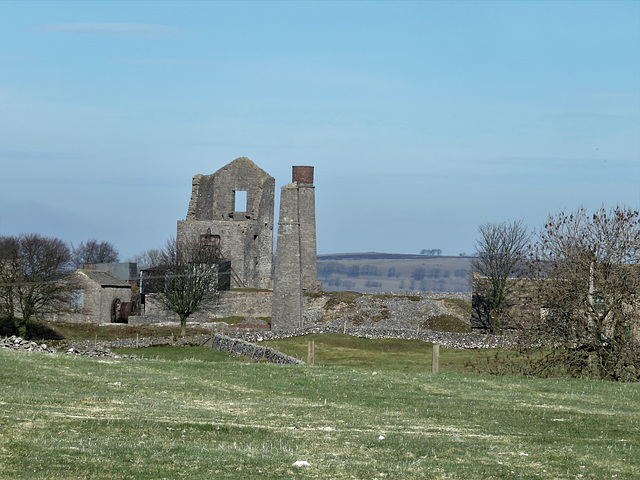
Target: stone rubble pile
384, 310
99, 352
18, 343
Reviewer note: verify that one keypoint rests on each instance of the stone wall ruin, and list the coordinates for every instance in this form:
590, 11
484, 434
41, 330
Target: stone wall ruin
241, 230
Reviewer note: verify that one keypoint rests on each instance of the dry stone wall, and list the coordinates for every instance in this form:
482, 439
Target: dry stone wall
446, 339
254, 351
220, 342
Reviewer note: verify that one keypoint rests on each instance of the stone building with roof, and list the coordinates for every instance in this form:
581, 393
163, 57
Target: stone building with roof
99, 296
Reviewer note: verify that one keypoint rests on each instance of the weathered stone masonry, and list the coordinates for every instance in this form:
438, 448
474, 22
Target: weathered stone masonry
242, 232
296, 265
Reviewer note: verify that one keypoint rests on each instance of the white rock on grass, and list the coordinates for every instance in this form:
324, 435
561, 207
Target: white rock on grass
301, 463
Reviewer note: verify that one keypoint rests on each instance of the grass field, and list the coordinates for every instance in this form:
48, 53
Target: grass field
70, 417
382, 354
342, 350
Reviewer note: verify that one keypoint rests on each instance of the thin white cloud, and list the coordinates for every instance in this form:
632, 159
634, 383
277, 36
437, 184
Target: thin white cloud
114, 29
163, 61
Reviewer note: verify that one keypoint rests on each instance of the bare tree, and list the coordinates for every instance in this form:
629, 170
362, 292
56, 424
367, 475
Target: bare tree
148, 258
500, 248
185, 279
93, 251
587, 271
33, 277
10, 276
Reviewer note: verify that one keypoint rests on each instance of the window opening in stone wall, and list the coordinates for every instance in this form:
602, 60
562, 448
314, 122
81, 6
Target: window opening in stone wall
240, 200
210, 241
77, 298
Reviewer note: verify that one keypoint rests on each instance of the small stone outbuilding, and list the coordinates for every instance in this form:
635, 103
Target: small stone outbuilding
99, 297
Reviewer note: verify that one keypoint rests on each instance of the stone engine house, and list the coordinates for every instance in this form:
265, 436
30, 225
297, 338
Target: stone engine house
233, 210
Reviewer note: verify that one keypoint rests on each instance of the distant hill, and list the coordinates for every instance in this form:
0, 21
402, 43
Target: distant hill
393, 272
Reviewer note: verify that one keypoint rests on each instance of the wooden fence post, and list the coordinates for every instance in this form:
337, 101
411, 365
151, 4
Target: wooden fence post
311, 352
435, 358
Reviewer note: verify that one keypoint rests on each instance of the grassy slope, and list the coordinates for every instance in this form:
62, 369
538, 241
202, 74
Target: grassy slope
383, 354
342, 350
67, 417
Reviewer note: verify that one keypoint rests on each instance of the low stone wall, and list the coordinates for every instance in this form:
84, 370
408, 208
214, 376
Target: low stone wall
219, 342
446, 339
222, 343
255, 352
233, 303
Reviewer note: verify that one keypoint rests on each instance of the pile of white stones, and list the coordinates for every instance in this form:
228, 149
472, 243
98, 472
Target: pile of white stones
17, 343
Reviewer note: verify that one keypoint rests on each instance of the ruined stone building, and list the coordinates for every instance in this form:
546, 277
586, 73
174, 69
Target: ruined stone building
232, 210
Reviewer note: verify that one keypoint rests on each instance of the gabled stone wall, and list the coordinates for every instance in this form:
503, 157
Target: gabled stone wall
244, 236
97, 301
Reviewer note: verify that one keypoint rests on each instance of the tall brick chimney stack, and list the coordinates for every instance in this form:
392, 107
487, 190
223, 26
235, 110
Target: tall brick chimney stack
302, 174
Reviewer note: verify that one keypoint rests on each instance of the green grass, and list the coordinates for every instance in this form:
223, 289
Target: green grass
382, 354
201, 354
70, 417
344, 350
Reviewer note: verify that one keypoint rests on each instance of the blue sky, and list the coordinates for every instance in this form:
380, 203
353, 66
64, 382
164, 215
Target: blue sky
422, 119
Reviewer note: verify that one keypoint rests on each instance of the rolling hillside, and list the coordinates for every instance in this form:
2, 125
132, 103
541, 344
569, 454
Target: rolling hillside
393, 272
